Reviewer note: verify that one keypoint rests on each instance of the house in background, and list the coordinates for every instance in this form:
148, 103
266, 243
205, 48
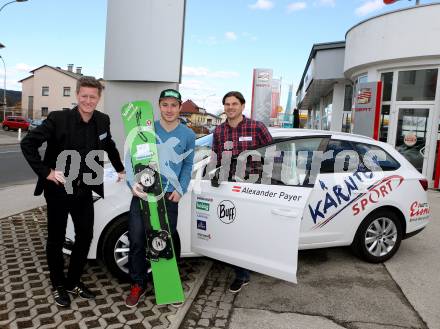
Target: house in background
51, 88
198, 116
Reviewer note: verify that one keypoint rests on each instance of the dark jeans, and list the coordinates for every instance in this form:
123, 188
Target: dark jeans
137, 264
241, 273
80, 207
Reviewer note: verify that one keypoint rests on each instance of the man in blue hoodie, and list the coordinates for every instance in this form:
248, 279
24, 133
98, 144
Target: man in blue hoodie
175, 145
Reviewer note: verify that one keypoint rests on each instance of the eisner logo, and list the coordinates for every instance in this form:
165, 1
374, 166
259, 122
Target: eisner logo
202, 205
419, 211
377, 192
226, 211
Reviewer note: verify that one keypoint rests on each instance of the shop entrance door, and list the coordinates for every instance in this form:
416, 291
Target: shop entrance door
413, 138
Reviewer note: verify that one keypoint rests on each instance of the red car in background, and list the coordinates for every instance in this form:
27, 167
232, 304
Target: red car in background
15, 122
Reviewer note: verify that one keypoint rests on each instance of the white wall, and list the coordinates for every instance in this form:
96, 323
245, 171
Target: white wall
409, 33
143, 54
144, 40
337, 106
329, 64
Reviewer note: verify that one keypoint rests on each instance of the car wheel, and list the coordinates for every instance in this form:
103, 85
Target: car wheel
378, 237
5, 128
115, 247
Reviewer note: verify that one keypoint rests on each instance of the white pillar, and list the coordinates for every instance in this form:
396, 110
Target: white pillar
337, 106
143, 53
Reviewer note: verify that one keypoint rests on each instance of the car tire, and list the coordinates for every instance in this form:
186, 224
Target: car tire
115, 248
5, 128
378, 237
116, 236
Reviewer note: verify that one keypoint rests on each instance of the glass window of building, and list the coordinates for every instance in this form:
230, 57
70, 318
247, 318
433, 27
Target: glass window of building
417, 85
44, 111
384, 121
327, 112
362, 78
346, 114
387, 86
66, 91
44, 91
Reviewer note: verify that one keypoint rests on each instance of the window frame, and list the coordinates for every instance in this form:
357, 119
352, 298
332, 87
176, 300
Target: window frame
43, 89
276, 140
69, 89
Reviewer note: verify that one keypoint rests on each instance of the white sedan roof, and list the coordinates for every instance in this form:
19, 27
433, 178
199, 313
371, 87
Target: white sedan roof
293, 132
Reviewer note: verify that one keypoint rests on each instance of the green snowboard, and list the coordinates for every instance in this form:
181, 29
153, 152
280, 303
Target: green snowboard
140, 135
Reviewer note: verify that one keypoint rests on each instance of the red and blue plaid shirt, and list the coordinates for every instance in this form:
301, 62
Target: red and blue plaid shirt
248, 134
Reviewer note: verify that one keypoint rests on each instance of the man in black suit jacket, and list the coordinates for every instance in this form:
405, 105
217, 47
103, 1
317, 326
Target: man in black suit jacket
81, 133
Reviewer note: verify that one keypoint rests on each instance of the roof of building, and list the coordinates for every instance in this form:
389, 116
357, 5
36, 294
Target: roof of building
189, 106
69, 73
315, 48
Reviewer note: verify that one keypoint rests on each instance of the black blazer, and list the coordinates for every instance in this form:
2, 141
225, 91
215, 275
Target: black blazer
56, 130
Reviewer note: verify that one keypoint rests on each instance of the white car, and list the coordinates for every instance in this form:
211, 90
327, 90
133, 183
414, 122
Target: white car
368, 197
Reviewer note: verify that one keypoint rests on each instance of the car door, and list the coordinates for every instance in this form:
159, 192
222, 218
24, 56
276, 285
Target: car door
253, 220
342, 181
12, 123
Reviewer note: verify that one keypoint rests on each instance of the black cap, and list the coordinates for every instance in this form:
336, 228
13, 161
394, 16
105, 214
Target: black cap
170, 93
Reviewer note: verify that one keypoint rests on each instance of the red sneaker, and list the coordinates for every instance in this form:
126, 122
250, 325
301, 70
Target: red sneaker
136, 293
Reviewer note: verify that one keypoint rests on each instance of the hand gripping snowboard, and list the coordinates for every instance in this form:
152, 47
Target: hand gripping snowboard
138, 122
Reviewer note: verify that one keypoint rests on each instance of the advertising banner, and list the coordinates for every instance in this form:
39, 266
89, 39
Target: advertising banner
262, 95
366, 110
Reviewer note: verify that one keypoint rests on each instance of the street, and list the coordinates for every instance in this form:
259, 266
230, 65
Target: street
14, 170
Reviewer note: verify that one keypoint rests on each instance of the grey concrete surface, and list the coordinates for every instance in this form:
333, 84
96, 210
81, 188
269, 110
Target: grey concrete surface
332, 283
18, 198
416, 267
9, 137
261, 319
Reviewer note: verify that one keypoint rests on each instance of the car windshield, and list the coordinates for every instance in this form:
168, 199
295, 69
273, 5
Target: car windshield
203, 148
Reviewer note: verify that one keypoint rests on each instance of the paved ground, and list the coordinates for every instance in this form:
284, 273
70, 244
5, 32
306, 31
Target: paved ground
335, 289
26, 300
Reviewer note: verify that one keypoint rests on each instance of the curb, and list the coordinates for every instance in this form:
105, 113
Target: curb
181, 313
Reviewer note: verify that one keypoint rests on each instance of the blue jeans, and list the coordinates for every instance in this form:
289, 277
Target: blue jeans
241, 274
137, 256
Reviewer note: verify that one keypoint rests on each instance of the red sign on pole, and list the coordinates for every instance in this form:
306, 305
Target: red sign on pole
389, 2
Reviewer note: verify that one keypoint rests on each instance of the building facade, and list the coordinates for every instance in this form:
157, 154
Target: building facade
400, 49
50, 88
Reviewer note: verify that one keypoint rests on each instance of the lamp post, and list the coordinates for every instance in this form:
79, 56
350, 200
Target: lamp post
204, 100
7, 3
4, 65
4, 85
4, 89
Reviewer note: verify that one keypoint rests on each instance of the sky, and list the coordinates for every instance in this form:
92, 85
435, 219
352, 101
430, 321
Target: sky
224, 39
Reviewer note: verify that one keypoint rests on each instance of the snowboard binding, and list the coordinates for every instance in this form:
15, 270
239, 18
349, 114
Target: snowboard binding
159, 245
148, 177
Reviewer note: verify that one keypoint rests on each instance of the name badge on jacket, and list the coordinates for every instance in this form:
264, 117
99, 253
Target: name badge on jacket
102, 136
245, 139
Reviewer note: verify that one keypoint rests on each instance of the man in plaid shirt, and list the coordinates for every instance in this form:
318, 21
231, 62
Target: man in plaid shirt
238, 134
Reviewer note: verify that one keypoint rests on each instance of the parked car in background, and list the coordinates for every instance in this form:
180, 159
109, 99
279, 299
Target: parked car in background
13, 122
370, 204
35, 123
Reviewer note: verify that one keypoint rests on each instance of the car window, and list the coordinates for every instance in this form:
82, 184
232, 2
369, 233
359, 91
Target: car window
340, 156
11, 119
286, 162
378, 156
